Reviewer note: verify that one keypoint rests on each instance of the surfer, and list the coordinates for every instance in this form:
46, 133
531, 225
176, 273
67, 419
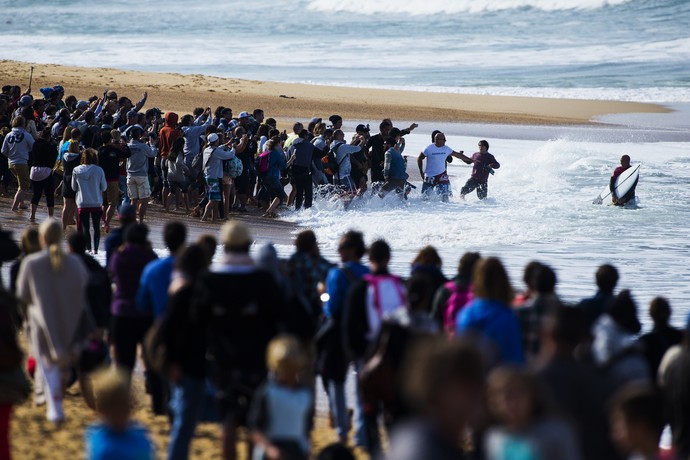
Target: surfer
484, 164
435, 175
621, 200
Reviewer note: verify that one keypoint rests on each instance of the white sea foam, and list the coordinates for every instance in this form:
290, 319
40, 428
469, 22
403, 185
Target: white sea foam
431, 7
540, 208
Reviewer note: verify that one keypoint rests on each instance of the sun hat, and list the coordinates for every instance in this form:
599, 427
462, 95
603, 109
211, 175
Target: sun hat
235, 234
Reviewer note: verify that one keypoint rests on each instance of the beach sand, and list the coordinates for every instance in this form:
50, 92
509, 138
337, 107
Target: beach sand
291, 102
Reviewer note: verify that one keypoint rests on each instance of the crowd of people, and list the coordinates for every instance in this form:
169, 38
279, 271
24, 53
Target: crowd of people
448, 369
101, 153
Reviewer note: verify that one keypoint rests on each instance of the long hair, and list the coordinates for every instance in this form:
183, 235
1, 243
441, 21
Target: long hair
89, 157
51, 236
491, 281
176, 148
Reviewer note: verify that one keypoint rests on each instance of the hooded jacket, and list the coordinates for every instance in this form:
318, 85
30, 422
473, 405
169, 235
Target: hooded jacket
169, 133
138, 162
496, 322
89, 183
17, 145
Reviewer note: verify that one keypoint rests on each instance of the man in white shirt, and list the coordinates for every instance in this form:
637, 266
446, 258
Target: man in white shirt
435, 175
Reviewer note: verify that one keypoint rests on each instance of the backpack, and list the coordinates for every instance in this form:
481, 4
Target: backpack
457, 300
331, 163
263, 162
233, 168
154, 347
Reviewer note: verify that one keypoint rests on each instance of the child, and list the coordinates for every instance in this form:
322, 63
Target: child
525, 429
637, 421
115, 437
281, 417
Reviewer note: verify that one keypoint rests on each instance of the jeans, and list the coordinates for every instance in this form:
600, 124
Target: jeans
124, 191
90, 217
338, 404
186, 404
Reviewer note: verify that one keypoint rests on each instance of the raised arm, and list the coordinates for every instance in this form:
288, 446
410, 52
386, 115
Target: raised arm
142, 101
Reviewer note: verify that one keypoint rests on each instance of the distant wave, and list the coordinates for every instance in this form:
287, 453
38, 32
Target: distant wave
429, 7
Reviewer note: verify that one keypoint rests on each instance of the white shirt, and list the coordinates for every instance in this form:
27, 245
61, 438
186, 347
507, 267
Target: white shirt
436, 159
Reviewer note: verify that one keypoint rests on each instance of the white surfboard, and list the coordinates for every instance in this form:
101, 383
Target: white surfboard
624, 183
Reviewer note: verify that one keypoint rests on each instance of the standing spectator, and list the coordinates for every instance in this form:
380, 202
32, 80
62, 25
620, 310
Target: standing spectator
489, 315
594, 307
302, 155
191, 131
454, 295
283, 409
332, 361
213, 158
637, 421
185, 341
110, 154
526, 427
88, 180
71, 157
16, 148
44, 154
52, 285
444, 383
115, 436
128, 324
168, 135
241, 311
428, 263
663, 336
137, 172
127, 217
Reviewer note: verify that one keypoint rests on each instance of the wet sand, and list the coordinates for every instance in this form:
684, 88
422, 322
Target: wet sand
291, 102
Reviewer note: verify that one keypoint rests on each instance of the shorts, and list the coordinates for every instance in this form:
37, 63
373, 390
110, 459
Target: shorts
472, 184
345, 183
67, 191
183, 186
274, 188
440, 184
213, 189
21, 172
138, 187
112, 193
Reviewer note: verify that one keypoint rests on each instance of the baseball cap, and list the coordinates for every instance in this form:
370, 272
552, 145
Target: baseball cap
362, 128
315, 120
132, 114
244, 115
211, 138
83, 105
235, 234
59, 88
232, 125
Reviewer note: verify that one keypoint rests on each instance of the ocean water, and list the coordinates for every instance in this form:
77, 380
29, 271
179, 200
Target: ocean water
600, 49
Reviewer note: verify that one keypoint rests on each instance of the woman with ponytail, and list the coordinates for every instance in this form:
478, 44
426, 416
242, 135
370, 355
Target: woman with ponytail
58, 319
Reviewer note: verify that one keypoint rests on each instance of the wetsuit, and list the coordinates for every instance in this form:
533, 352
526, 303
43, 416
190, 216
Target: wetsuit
480, 174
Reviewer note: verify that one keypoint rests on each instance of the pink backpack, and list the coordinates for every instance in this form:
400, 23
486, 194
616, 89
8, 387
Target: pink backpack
457, 300
264, 158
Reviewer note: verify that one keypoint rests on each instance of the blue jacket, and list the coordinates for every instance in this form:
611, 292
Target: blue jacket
394, 166
276, 163
102, 443
338, 285
496, 322
152, 296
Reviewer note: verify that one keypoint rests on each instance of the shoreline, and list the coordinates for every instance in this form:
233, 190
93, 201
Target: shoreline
292, 101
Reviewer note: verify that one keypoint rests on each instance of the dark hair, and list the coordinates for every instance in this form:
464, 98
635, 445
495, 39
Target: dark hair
640, 403
297, 127
545, 279
420, 293
380, 252
491, 281
208, 243
335, 119
77, 242
136, 234
305, 241
433, 135
257, 112
219, 111
484, 143
186, 120
435, 363
355, 241
385, 124
89, 116
135, 132
271, 122
176, 148
192, 261
197, 112
565, 324
660, 311
466, 265
428, 256
28, 113
106, 137
528, 274
623, 310
174, 235
395, 132
390, 140
607, 278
